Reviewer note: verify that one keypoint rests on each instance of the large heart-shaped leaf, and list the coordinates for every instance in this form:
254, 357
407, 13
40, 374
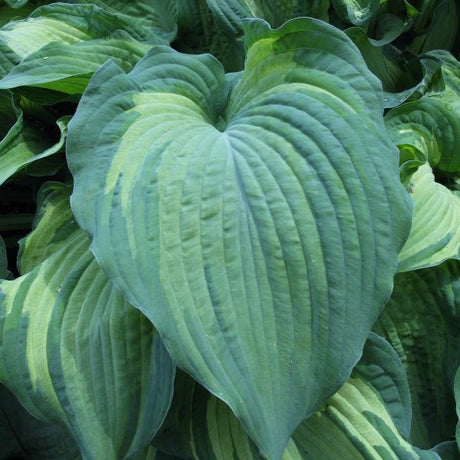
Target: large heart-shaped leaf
74, 352
253, 219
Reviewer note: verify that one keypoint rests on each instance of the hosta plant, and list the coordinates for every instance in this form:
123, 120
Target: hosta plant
230, 229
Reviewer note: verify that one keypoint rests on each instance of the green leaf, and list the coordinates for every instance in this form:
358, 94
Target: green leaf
32, 438
436, 27
422, 322
232, 12
428, 130
386, 63
201, 426
360, 421
262, 223
457, 400
74, 351
63, 26
158, 16
4, 272
369, 417
199, 31
55, 224
435, 232
447, 450
26, 141
356, 12
68, 68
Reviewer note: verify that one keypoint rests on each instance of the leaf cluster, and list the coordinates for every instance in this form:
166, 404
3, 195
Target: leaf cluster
230, 229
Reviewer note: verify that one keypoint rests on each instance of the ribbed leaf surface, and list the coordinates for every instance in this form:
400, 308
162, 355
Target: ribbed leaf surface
428, 131
368, 418
276, 12
253, 223
59, 46
435, 232
23, 142
75, 353
422, 322
360, 421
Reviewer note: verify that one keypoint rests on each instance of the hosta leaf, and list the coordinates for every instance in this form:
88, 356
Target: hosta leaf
68, 68
436, 27
34, 439
159, 16
275, 12
428, 130
447, 450
16, 3
422, 322
4, 272
457, 400
263, 219
435, 232
60, 27
369, 417
199, 31
74, 352
356, 12
387, 64
359, 420
25, 142
55, 224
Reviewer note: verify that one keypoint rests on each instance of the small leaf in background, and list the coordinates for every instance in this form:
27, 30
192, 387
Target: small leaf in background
28, 139
68, 68
457, 400
200, 31
427, 132
74, 352
421, 321
282, 192
59, 46
436, 27
232, 12
356, 12
435, 232
4, 272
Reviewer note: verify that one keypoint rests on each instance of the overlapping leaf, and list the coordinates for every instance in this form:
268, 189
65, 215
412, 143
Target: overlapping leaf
428, 131
369, 417
253, 224
457, 400
4, 272
422, 322
32, 438
358, 12
232, 12
71, 348
24, 142
435, 233
60, 46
